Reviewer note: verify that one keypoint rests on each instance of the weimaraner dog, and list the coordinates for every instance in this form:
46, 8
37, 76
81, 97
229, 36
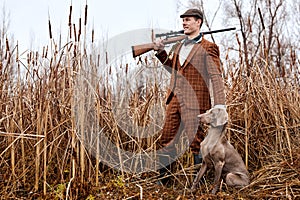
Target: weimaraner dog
217, 152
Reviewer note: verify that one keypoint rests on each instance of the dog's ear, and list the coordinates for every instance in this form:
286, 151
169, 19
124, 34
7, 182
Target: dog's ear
220, 117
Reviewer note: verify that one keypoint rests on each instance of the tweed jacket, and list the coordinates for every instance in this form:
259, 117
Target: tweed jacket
198, 81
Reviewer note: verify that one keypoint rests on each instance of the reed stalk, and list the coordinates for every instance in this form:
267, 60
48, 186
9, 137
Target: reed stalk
46, 150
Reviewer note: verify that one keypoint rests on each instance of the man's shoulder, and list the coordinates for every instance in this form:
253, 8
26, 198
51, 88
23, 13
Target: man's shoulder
208, 45
207, 42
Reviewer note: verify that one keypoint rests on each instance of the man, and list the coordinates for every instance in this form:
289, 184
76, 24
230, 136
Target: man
196, 85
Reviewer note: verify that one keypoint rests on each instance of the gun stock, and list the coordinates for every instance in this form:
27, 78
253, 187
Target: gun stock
138, 50
141, 49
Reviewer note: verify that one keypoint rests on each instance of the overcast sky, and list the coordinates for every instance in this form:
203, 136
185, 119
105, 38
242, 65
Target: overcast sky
29, 18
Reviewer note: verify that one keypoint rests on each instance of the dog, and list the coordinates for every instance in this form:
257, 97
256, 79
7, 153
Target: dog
217, 152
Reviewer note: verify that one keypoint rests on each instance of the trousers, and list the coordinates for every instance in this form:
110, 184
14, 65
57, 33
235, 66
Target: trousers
178, 119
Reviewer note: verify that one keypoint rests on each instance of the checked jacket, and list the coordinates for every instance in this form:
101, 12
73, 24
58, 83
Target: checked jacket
195, 86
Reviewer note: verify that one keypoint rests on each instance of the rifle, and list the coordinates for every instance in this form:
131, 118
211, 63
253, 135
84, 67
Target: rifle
170, 37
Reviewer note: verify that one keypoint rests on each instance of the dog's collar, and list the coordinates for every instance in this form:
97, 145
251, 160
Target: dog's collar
221, 126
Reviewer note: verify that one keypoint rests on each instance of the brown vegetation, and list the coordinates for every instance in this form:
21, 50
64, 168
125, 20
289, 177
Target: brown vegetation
42, 149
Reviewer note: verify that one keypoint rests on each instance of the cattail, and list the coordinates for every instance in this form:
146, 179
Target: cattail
226, 55
7, 50
70, 16
17, 54
79, 30
43, 54
59, 41
56, 50
249, 24
50, 30
51, 61
46, 53
36, 57
85, 15
93, 35
7, 45
98, 60
75, 50
28, 58
74, 27
126, 68
70, 30
33, 58
106, 57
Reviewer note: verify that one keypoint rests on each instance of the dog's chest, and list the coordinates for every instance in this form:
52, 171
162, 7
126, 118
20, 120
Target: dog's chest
208, 145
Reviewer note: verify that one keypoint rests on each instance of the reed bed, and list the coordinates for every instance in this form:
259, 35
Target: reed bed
264, 127
48, 99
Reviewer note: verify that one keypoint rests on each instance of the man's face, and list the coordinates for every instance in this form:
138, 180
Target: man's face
191, 25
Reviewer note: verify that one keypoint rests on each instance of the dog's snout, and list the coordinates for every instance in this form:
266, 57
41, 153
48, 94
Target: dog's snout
204, 118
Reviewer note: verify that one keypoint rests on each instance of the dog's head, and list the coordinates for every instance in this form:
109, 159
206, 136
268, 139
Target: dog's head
215, 117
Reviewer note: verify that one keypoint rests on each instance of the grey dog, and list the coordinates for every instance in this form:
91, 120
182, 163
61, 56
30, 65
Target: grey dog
217, 152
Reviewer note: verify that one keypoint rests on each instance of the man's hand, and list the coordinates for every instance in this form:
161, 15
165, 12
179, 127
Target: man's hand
158, 45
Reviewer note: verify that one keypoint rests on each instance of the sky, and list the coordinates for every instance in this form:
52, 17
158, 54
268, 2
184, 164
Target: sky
29, 18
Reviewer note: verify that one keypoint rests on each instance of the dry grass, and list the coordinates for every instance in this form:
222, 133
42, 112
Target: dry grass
264, 127
40, 128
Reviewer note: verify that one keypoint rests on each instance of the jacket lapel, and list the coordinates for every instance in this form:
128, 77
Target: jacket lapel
191, 54
176, 55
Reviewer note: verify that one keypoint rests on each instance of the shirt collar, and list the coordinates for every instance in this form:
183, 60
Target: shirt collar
193, 41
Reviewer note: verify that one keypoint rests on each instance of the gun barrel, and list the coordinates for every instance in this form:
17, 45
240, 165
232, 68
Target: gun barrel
171, 33
174, 37
218, 31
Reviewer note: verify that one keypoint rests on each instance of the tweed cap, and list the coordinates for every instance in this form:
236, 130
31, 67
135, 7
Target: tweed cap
192, 12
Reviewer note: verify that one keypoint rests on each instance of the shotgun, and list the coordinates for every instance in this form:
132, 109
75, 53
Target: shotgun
170, 37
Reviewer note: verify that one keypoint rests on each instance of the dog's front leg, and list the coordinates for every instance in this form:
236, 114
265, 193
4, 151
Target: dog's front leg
199, 175
218, 172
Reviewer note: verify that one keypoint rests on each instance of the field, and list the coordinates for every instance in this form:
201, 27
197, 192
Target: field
54, 102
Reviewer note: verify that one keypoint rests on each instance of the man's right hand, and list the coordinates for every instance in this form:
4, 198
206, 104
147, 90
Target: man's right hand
158, 45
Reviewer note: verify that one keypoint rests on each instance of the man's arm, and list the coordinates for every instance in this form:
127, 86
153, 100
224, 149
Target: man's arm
215, 76
164, 59
162, 55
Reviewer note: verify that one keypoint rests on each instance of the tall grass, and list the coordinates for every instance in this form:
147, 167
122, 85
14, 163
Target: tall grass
44, 117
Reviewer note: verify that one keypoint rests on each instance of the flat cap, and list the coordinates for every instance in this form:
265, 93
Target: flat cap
193, 12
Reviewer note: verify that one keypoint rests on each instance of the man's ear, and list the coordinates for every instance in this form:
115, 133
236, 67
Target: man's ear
221, 118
